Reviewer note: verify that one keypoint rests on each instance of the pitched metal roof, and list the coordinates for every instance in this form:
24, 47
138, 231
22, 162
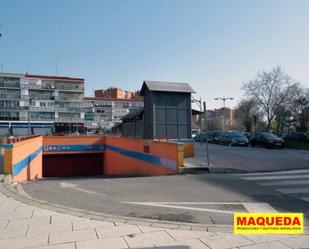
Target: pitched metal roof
134, 114
159, 86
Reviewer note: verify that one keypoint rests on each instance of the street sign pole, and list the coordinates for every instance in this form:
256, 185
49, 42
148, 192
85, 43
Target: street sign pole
206, 130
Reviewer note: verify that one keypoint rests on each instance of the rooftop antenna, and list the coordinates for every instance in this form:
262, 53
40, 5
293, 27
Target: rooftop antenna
1, 68
56, 66
65, 58
27, 68
125, 75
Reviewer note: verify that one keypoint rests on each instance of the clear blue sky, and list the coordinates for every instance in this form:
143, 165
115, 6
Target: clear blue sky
213, 45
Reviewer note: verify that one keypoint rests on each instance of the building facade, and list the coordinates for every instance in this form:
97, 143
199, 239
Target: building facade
117, 93
102, 113
217, 119
40, 98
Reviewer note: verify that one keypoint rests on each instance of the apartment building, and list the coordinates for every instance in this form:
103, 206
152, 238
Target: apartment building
108, 107
117, 93
216, 119
44, 99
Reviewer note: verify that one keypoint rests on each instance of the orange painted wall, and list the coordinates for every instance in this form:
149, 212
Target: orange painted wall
22, 150
118, 164
164, 156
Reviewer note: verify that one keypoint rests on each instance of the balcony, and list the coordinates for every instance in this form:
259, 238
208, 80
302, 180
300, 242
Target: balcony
39, 119
69, 99
70, 88
42, 108
9, 85
68, 109
41, 97
69, 120
17, 108
9, 96
37, 87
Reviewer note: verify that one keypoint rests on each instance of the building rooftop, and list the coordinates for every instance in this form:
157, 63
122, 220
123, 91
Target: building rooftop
42, 76
159, 86
112, 99
54, 77
134, 114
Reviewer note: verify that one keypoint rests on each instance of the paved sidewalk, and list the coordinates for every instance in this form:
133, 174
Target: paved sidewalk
25, 226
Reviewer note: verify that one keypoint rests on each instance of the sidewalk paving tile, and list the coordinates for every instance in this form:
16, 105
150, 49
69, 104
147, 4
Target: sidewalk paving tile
23, 212
189, 244
86, 224
267, 245
63, 237
50, 228
165, 225
60, 218
110, 243
223, 241
29, 221
3, 223
298, 242
42, 212
13, 232
149, 239
260, 238
151, 229
58, 246
180, 235
22, 242
117, 231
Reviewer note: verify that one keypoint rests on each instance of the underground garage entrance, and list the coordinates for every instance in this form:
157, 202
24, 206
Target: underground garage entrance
65, 165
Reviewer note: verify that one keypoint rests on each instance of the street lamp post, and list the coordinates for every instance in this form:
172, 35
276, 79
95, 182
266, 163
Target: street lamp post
224, 99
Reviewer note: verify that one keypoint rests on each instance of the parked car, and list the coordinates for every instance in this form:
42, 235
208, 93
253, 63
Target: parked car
246, 134
233, 138
213, 136
200, 137
194, 133
297, 136
267, 140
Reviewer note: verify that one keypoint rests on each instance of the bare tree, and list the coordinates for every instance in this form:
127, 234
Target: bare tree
246, 114
299, 105
269, 90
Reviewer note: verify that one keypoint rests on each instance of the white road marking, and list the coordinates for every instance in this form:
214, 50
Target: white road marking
275, 173
259, 207
74, 186
252, 178
293, 190
279, 183
251, 207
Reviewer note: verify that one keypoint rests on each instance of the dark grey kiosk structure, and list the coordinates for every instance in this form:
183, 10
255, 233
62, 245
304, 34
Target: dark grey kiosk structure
166, 113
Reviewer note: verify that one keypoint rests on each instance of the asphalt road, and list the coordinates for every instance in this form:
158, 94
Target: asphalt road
253, 159
204, 199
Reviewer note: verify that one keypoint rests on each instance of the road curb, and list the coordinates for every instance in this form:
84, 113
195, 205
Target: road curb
15, 191
210, 170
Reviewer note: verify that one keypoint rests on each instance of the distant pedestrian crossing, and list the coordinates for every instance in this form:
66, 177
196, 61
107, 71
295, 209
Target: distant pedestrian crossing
291, 182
